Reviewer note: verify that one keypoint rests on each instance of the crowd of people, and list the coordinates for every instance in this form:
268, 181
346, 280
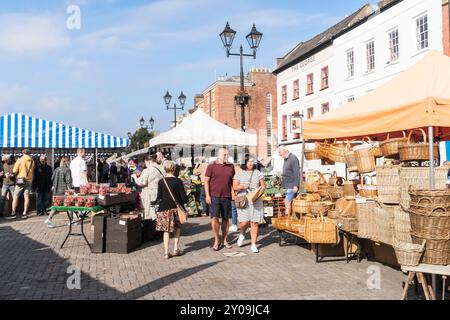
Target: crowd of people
160, 190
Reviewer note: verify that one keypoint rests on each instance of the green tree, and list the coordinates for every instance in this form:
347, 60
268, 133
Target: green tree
139, 139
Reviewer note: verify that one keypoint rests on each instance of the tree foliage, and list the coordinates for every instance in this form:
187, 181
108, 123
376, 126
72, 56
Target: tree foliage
140, 139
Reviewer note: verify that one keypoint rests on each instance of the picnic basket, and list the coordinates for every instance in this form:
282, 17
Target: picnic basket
410, 151
389, 147
320, 230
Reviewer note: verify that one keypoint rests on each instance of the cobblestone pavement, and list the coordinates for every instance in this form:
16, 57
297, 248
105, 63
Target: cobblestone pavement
32, 266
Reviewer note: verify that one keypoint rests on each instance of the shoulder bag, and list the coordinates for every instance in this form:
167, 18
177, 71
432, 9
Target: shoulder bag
241, 202
182, 214
21, 181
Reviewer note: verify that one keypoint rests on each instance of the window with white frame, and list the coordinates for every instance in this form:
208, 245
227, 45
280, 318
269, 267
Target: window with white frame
370, 55
422, 32
393, 45
350, 98
350, 64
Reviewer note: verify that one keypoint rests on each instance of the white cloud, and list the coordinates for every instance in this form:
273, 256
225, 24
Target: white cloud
29, 34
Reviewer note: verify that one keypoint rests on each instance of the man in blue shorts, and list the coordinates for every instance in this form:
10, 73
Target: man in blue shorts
290, 176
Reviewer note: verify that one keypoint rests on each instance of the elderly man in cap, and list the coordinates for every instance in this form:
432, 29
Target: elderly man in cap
8, 180
42, 184
23, 171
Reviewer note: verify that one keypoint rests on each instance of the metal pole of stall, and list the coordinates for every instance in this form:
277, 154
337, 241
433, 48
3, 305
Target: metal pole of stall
95, 164
432, 186
302, 162
53, 158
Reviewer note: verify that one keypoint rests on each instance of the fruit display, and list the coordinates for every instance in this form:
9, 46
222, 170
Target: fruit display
93, 188
103, 190
80, 201
69, 201
84, 190
69, 192
58, 201
90, 202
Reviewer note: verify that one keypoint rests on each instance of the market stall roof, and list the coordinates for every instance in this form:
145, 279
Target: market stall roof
21, 131
418, 97
201, 129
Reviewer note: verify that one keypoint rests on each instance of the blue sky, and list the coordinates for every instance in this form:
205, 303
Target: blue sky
117, 67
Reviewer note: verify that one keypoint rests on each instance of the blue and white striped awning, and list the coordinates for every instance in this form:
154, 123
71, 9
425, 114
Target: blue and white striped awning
21, 131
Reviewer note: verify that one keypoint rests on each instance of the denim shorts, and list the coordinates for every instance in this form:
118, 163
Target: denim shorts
290, 195
220, 208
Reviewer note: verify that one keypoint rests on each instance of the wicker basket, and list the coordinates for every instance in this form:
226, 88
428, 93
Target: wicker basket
297, 226
388, 184
389, 147
281, 223
419, 177
350, 160
320, 230
301, 206
349, 224
408, 254
417, 151
384, 222
366, 219
321, 207
365, 160
336, 191
350, 189
337, 151
322, 148
432, 223
376, 150
427, 197
311, 183
367, 190
333, 214
436, 251
402, 225
311, 155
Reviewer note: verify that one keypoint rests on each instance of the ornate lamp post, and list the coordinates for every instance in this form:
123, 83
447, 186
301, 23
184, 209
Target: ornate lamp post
151, 122
181, 99
253, 39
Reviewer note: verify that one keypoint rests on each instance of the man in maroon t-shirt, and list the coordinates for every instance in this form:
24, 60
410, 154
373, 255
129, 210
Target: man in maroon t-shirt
218, 189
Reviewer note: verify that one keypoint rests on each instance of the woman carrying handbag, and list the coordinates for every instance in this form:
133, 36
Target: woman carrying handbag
249, 183
171, 197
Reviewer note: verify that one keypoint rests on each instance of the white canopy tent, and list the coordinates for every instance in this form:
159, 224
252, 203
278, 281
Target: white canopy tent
201, 129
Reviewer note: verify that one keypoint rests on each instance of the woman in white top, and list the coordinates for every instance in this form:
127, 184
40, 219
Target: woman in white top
248, 180
149, 179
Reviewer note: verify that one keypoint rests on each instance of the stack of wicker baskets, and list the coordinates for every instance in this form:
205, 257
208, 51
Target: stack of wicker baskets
418, 177
366, 219
430, 220
384, 223
388, 184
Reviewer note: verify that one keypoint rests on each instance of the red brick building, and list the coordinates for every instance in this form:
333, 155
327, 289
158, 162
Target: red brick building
260, 115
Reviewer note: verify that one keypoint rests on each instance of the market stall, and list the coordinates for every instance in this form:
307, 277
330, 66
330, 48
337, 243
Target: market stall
402, 203
201, 136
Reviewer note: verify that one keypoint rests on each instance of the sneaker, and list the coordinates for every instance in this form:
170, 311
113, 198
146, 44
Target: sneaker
49, 223
254, 248
240, 240
11, 217
233, 228
24, 217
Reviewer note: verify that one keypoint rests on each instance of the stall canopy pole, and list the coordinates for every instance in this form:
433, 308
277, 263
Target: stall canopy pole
96, 168
302, 163
53, 158
432, 187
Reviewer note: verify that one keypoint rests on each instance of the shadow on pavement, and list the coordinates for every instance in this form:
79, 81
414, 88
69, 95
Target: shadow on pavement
30, 270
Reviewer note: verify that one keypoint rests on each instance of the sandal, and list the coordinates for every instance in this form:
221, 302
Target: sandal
167, 256
177, 253
227, 245
217, 248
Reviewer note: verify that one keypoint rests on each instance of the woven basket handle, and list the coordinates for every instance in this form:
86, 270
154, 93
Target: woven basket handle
404, 135
425, 198
329, 196
423, 244
440, 207
367, 139
423, 134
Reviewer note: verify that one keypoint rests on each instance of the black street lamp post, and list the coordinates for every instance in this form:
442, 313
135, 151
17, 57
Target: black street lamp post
181, 99
151, 122
253, 39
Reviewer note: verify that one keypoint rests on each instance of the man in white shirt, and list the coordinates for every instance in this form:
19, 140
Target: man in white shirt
78, 169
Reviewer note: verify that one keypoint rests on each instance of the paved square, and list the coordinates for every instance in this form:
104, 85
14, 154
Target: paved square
34, 267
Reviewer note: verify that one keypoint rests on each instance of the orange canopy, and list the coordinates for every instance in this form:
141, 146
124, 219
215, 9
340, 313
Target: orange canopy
418, 97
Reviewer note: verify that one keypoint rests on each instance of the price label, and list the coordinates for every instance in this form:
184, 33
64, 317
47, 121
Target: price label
123, 222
